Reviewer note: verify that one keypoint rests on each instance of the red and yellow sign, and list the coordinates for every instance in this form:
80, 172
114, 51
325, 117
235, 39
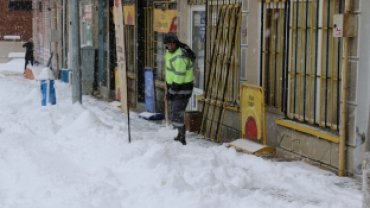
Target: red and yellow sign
252, 112
165, 20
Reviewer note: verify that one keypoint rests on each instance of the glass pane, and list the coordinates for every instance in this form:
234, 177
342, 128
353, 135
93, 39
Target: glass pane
197, 44
244, 29
87, 38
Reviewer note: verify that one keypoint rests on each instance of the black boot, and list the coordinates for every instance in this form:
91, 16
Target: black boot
181, 136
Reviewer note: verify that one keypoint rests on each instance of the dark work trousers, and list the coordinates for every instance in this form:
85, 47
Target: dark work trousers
28, 60
178, 111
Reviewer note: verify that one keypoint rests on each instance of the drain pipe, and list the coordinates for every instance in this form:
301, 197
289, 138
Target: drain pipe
343, 109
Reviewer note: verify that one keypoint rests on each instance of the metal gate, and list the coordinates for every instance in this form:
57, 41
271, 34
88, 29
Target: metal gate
222, 66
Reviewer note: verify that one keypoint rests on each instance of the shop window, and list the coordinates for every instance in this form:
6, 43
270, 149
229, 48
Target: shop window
165, 20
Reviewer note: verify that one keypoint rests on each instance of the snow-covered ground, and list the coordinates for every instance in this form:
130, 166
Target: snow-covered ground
73, 155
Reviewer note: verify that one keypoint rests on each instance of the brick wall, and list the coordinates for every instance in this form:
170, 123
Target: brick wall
17, 23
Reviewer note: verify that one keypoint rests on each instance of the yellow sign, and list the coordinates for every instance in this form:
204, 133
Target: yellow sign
129, 14
165, 20
252, 112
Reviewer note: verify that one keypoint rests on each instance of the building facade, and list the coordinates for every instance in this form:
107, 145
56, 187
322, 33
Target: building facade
15, 26
15, 20
285, 73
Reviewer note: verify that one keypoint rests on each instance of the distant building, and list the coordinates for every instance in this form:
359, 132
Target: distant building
15, 20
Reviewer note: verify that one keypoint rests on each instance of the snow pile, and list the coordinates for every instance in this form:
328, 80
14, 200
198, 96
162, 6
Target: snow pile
13, 67
73, 155
45, 74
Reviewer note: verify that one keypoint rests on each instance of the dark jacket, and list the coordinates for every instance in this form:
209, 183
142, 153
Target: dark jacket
29, 50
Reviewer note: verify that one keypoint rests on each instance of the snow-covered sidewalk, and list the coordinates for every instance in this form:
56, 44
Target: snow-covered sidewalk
72, 155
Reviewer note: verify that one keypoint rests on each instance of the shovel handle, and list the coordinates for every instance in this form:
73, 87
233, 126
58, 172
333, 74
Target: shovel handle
166, 108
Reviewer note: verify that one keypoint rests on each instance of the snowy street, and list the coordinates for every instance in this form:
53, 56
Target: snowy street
78, 156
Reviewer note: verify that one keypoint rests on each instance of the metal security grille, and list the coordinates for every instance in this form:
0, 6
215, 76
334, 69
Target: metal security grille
148, 36
303, 77
222, 65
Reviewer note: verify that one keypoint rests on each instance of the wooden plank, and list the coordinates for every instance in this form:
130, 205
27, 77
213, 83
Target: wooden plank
251, 147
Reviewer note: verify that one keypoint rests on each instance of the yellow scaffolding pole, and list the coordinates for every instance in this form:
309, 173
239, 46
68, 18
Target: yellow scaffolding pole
290, 74
322, 72
311, 73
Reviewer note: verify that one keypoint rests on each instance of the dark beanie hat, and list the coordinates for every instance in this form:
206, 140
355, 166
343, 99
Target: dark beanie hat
171, 38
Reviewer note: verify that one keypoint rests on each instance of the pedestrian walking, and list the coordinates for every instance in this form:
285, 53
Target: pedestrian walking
179, 81
29, 53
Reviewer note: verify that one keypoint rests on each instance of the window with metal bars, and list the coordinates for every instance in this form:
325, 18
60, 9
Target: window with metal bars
301, 61
159, 49
274, 52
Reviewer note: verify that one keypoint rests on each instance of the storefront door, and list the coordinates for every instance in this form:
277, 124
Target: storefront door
197, 43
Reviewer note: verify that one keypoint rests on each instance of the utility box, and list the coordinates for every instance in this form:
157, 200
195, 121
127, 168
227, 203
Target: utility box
88, 69
345, 25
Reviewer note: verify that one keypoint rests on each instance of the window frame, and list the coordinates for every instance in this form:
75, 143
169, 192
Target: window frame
19, 5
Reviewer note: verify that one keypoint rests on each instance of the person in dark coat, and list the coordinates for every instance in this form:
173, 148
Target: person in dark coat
179, 81
29, 53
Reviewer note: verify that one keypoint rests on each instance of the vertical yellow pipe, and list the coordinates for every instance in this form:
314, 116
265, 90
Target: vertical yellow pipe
342, 131
299, 74
332, 99
311, 77
272, 52
322, 74
280, 57
290, 79
264, 47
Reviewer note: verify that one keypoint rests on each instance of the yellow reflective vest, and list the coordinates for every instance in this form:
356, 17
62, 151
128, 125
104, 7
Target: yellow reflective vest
179, 74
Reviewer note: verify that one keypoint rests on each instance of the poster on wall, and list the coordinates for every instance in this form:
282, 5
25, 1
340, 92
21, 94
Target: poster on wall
88, 12
46, 32
40, 38
121, 60
120, 50
129, 14
165, 21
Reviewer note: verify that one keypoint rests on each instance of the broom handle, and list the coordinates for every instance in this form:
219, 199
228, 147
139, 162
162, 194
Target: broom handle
166, 107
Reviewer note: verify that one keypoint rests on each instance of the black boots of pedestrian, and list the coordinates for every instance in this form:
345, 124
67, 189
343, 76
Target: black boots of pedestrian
181, 136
